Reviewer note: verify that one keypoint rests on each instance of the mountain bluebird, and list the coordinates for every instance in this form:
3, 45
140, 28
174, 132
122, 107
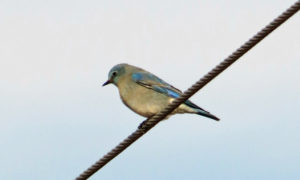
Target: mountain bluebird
146, 94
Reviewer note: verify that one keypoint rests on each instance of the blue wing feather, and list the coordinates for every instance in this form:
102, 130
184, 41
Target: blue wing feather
146, 77
166, 91
153, 82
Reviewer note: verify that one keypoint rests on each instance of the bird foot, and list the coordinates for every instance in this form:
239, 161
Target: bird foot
143, 124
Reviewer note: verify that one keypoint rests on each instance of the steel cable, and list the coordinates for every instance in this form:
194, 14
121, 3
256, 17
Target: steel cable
151, 122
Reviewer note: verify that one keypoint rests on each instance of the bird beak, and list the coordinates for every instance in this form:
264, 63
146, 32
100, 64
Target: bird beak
107, 82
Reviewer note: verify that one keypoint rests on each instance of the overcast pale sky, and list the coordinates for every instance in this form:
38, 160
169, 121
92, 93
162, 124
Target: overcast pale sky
57, 120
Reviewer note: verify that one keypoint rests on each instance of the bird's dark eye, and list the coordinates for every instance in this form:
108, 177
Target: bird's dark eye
114, 73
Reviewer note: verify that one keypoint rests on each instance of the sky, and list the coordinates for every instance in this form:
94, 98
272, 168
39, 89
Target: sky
56, 119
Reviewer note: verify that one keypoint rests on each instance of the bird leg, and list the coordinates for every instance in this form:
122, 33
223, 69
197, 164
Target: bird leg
143, 126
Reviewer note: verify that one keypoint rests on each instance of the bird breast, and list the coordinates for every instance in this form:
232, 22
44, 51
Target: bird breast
144, 101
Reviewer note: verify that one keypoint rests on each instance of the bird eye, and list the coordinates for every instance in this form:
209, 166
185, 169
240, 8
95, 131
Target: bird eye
114, 73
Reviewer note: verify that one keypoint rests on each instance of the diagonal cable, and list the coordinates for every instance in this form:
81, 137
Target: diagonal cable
151, 122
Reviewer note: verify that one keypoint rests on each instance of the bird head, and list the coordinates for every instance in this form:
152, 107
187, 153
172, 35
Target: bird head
114, 74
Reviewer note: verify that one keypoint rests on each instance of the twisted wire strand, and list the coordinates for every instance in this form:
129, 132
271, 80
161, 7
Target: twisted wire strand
151, 122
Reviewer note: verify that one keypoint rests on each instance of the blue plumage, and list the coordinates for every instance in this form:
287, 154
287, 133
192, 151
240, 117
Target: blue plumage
155, 83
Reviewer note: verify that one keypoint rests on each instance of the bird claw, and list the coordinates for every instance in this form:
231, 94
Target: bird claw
143, 125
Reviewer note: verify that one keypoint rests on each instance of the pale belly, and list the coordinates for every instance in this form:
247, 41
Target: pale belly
144, 101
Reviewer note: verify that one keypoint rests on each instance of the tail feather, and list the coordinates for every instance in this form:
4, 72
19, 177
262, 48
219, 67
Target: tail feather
200, 111
207, 114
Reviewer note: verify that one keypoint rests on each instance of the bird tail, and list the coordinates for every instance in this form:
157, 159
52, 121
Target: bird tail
200, 111
207, 114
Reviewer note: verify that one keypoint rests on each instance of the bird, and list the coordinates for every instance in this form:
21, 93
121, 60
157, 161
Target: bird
146, 94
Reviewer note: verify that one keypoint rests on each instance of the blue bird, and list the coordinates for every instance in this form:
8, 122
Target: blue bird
146, 94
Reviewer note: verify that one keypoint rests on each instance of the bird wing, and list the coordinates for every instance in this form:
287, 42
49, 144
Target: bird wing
151, 81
